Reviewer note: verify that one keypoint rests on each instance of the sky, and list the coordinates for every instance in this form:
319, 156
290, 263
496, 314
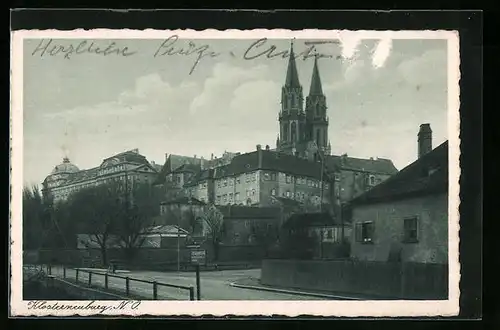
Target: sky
89, 107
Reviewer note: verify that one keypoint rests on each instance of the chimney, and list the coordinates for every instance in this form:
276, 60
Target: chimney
259, 154
166, 157
212, 156
267, 147
424, 139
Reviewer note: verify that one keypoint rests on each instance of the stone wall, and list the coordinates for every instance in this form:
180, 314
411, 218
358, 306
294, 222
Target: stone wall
372, 279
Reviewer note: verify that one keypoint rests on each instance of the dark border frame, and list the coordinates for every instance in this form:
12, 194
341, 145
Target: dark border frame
468, 23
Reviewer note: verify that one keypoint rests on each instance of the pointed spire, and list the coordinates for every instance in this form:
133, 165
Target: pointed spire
316, 88
292, 76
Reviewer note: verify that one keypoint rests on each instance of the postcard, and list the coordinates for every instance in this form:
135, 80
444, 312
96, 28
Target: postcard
237, 172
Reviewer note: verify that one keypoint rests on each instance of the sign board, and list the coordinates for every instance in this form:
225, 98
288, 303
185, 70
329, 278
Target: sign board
198, 257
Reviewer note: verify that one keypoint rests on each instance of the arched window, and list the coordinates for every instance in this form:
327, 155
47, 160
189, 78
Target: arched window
317, 109
293, 132
318, 137
285, 132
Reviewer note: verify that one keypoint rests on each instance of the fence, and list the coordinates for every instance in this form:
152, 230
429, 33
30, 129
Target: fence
90, 275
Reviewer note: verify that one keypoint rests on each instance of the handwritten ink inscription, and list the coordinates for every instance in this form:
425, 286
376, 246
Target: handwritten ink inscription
49, 47
172, 46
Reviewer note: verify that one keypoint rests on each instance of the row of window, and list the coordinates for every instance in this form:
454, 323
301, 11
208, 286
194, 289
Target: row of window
364, 231
252, 177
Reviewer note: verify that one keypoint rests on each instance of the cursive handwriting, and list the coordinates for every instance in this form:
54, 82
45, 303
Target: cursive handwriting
49, 47
92, 305
167, 48
270, 51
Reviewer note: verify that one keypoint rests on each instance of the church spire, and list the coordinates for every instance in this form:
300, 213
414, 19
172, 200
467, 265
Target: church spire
316, 88
292, 76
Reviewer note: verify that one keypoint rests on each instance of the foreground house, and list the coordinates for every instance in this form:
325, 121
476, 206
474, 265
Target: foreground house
406, 217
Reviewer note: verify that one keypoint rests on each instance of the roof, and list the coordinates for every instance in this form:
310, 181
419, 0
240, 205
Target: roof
292, 75
174, 162
316, 88
376, 166
165, 229
65, 167
249, 212
303, 220
187, 168
184, 200
270, 160
131, 156
425, 176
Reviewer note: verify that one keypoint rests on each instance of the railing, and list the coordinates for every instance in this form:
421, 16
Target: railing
128, 280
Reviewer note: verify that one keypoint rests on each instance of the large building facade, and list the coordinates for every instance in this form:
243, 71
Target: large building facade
300, 168
128, 167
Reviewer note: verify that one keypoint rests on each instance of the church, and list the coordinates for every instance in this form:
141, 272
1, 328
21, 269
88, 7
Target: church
303, 132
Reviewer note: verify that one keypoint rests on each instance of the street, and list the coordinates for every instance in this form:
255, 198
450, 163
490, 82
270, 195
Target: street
215, 285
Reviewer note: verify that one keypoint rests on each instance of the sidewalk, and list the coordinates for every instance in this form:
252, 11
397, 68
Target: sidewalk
254, 284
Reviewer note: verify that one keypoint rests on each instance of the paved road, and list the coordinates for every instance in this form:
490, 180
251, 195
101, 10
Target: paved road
215, 285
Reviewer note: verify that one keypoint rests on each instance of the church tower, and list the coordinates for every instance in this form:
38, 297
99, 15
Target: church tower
292, 118
317, 119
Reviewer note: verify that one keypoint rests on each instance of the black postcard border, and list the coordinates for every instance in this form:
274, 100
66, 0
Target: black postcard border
468, 23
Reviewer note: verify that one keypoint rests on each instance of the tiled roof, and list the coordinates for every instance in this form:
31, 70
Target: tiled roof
302, 220
427, 175
130, 157
165, 229
174, 162
187, 168
88, 174
271, 160
248, 212
378, 165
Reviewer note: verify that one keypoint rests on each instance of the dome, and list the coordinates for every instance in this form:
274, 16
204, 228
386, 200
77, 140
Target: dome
65, 167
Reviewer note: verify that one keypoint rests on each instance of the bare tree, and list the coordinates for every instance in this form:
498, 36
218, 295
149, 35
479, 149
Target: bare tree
97, 210
35, 218
214, 220
139, 208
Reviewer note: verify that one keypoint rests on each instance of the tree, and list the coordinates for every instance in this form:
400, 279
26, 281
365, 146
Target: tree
298, 243
97, 211
35, 218
139, 208
214, 220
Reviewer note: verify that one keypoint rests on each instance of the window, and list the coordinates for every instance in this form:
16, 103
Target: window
329, 233
273, 176
288, 179
364, 232
288, 194
238, 180
372, 180
337, 176
267, 176
225, 182
327, 186
411, 230
273, 192
253, 192
204, 185
237, 197
254, 177
224, 198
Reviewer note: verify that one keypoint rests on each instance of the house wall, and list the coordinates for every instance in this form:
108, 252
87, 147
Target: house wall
432, 245
353, 183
